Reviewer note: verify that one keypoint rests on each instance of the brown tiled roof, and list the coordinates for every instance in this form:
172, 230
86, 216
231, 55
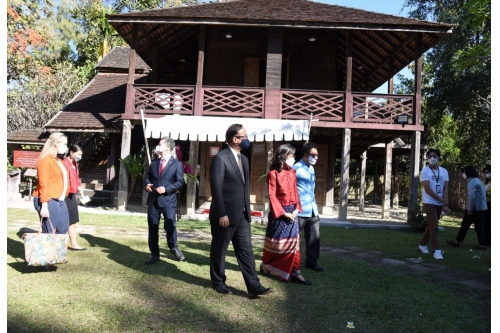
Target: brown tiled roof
274, 12
27, 136
118, 59
99, 105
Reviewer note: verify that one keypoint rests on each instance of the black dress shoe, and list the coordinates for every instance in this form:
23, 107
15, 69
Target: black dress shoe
316, 268
264, 272
453, 243
177, 253
260, 291
77, 249
297, 280
221, 289
152, 260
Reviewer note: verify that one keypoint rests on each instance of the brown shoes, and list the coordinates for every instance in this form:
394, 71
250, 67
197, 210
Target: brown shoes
453, 243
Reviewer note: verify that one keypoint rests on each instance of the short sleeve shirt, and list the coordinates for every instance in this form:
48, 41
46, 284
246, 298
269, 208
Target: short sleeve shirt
436, 179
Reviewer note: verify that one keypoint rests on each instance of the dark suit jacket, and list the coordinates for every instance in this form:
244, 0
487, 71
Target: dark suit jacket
172, 178
230, 196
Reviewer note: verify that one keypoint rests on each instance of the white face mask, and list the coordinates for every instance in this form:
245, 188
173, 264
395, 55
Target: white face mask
433, 160
488, 175
158, 149
464, 175
77, 157
312, 160
290, 161
62, 149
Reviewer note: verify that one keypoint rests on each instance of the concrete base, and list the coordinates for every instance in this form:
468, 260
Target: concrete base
121, 201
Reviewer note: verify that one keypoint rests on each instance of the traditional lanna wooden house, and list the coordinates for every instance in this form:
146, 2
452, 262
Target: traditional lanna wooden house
274, 65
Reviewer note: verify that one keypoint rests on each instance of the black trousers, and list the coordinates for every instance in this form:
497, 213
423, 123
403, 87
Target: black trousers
154, 215
487, 225
240, 236
477, 218
311, 233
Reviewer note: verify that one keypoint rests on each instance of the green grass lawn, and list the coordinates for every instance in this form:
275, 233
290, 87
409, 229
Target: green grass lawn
109, 289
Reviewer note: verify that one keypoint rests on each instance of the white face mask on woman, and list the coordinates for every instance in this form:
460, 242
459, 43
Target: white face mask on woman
290, 161
62, 149
488, 175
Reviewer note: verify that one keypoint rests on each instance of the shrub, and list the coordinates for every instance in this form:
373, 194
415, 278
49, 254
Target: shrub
417, 219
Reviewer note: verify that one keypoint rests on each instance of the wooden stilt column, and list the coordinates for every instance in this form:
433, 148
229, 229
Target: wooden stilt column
191, 185
344, 174
386, 202
358, 166
414, 171
273, 73
362, 183
198, 109
395, 196
270, 153
330, 194
121, 203
375, 182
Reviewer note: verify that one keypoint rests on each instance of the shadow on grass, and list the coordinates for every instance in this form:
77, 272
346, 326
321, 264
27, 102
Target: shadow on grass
16, 250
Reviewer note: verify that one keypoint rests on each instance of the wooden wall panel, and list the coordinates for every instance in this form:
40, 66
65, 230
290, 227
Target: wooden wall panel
257, 169
321, 171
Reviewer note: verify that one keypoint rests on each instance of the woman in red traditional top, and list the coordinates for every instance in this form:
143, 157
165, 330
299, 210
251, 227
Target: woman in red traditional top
281, 255
71, 164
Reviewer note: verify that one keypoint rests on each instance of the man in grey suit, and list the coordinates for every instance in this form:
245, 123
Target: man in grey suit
164, 178
230, 213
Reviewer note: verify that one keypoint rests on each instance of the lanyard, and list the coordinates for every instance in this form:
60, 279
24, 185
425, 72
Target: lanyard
437, 179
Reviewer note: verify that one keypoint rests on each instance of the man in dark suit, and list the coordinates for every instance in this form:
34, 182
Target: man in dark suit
165, 177
230, 213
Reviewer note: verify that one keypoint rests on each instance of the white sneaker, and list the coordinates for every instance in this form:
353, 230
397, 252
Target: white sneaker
423, 248
437, 254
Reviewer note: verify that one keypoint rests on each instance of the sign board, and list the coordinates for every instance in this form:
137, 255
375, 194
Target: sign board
26, 158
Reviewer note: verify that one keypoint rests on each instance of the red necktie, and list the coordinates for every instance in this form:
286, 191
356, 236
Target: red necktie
162, 165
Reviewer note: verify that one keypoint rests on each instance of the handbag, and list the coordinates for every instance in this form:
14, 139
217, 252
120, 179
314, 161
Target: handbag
45, 249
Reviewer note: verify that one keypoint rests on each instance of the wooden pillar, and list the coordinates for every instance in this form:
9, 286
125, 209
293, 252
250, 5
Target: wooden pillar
362, 183
386, 203
348, 87
418, 81
356, 191
198, 107
272, 103
130, 94
375, 182
121, 203
344, 174
111, 164
191, 185
390, 82
154, 72
330, 194
203, 168
395, 196
414, 171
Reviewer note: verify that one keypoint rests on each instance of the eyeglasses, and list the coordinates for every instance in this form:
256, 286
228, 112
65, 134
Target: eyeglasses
241, 136
314, 155
431, 156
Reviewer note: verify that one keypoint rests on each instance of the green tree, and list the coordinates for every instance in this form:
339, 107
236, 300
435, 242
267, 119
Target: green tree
456, 91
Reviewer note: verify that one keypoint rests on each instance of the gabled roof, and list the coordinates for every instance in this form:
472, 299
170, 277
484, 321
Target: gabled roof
97, 107
296, 13
117, 60
28, 136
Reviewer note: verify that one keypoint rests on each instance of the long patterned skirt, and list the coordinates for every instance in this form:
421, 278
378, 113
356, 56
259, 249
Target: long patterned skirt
281, 255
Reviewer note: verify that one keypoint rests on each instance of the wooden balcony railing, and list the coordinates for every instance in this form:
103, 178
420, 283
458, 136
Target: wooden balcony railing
325, 106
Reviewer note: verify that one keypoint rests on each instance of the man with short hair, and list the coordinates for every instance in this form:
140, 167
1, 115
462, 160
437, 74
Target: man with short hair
434, 180
309, 217
230, 213
164, 178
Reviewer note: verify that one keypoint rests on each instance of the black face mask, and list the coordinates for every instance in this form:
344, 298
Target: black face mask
244, 144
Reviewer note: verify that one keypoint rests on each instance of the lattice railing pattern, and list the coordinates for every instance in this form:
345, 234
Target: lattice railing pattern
164, 99
381, 108
323, 106
242, 102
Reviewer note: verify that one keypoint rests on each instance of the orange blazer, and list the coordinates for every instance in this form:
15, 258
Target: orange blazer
50, 179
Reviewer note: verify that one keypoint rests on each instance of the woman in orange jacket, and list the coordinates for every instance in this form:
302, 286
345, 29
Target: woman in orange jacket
53, 185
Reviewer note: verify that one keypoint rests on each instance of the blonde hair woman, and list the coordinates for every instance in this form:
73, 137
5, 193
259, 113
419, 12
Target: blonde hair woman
53, 185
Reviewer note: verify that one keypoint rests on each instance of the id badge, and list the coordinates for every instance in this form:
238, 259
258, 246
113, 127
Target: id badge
438, 188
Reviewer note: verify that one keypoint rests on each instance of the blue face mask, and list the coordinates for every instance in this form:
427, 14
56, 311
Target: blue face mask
244, 144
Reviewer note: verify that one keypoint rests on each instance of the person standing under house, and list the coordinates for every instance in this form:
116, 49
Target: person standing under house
475, 210
164, 178
309, 217
71, 164
281, 254
434, 180
230, 213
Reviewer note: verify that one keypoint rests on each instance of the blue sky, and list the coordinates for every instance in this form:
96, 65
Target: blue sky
392, 7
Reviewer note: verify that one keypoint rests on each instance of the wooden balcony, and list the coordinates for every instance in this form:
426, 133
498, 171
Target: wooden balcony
331, 108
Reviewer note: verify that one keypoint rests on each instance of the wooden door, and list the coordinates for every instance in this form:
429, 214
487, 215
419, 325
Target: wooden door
209, 156
252, 68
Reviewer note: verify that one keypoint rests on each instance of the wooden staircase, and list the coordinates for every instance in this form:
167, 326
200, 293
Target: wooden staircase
94, 176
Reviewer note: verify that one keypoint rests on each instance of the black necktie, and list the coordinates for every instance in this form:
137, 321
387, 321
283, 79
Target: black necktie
240, 165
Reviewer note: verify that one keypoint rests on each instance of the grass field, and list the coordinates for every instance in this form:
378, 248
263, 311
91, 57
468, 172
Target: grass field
109, 289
